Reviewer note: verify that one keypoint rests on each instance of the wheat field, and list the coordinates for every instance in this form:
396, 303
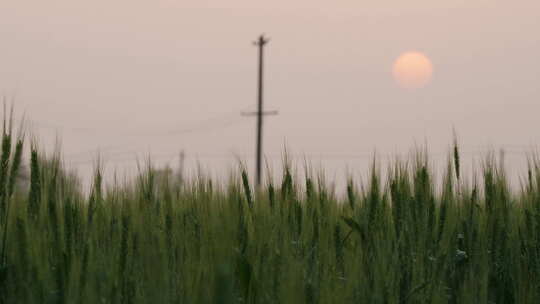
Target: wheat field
160, 239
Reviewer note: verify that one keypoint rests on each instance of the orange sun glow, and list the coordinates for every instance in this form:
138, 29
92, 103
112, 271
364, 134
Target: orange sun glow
412, 70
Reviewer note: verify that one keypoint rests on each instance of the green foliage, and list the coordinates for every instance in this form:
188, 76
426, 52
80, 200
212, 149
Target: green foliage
394, 240
34, 197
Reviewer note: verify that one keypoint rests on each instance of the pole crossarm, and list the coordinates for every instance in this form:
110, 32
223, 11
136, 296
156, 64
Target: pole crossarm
255, 113
262, 41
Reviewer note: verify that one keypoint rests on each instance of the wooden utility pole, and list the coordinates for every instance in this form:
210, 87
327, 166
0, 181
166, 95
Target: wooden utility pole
260, 113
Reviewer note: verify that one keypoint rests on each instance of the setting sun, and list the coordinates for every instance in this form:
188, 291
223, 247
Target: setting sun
412, 70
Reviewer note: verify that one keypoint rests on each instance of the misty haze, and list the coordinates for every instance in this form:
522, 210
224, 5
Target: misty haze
182, 151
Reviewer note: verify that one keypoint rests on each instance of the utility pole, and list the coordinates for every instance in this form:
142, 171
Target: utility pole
260, 113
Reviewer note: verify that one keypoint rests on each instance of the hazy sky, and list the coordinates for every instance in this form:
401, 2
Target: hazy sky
134, 76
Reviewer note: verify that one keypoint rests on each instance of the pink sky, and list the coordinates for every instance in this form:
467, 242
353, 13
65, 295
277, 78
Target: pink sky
134, 75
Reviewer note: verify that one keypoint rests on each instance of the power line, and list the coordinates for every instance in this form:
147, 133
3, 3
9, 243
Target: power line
218, 122
507, 149
307, 156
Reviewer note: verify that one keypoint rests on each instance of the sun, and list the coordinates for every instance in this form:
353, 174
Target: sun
412, 70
